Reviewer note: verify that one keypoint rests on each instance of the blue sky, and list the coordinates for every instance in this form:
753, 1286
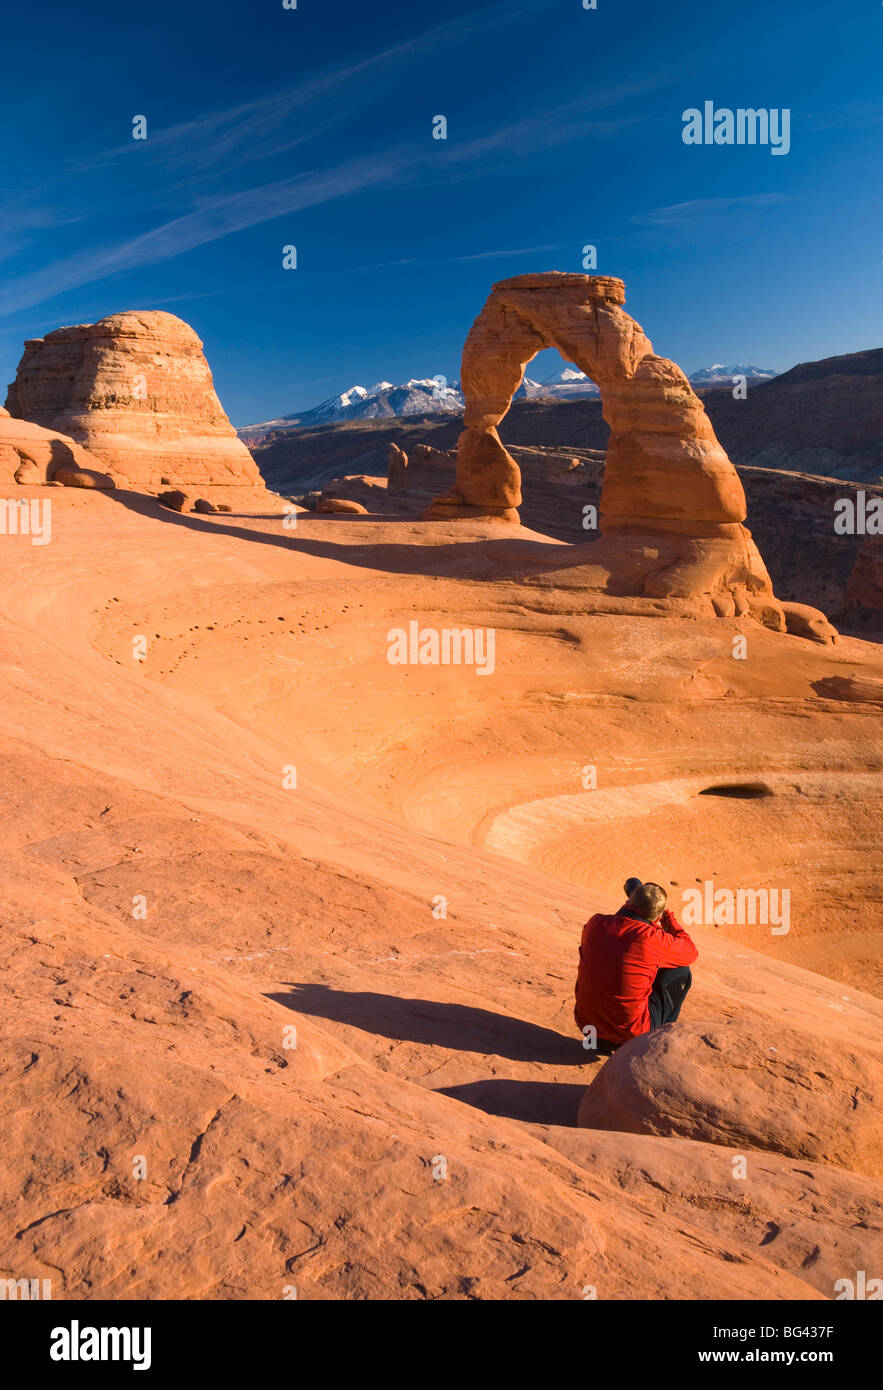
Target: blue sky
313, 127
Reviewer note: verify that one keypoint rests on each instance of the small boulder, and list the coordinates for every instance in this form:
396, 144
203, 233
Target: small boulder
341, 504
203, 505
175, 500
803, 621
82, 477
223, 507
725, 1082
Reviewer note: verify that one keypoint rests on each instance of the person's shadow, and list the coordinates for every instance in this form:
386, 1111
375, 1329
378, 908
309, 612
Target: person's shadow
460, 1027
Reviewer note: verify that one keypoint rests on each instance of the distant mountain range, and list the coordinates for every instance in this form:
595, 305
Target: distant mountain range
436, 396
721, 374
419, 396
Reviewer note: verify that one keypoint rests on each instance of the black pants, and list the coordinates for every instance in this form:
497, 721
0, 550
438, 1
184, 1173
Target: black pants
668, 994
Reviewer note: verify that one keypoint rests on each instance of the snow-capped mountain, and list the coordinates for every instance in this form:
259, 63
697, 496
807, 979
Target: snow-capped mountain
418, 396
567, 385
433, 396
721, 374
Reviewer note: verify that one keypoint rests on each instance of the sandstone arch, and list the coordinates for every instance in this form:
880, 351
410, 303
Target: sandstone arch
671, 496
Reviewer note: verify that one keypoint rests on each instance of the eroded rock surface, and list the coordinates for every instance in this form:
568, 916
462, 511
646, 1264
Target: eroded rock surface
31, 455
136, 390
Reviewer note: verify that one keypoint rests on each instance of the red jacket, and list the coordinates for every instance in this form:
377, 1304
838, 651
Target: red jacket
618, 960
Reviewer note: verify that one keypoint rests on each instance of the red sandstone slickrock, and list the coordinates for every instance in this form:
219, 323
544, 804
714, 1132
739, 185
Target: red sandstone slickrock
136, 390
165, 1135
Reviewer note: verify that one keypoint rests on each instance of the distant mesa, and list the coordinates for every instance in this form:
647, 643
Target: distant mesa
672, 507
135, 390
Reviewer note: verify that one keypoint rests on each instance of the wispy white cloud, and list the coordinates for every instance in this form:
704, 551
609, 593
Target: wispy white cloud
498, 255
223, 140
221, 216
215, 218
558, 126
244, 133
698, 209
22, 218
376, 265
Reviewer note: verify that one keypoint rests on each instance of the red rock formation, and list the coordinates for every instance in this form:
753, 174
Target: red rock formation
175, 500
166, 1036
135, 388
672, 501
341, 504
30, 455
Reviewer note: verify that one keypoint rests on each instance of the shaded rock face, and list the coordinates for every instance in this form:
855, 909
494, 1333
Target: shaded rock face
175, 500
419, 473
556, 485
30, 455
792, 518
667, 477
136, 390
821, 417
864, 592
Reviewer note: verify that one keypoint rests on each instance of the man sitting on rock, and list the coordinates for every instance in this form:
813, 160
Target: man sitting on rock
634, 969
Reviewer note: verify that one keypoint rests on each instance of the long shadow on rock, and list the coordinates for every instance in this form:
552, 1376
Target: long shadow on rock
470, 559
459, 1027
539, 1102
